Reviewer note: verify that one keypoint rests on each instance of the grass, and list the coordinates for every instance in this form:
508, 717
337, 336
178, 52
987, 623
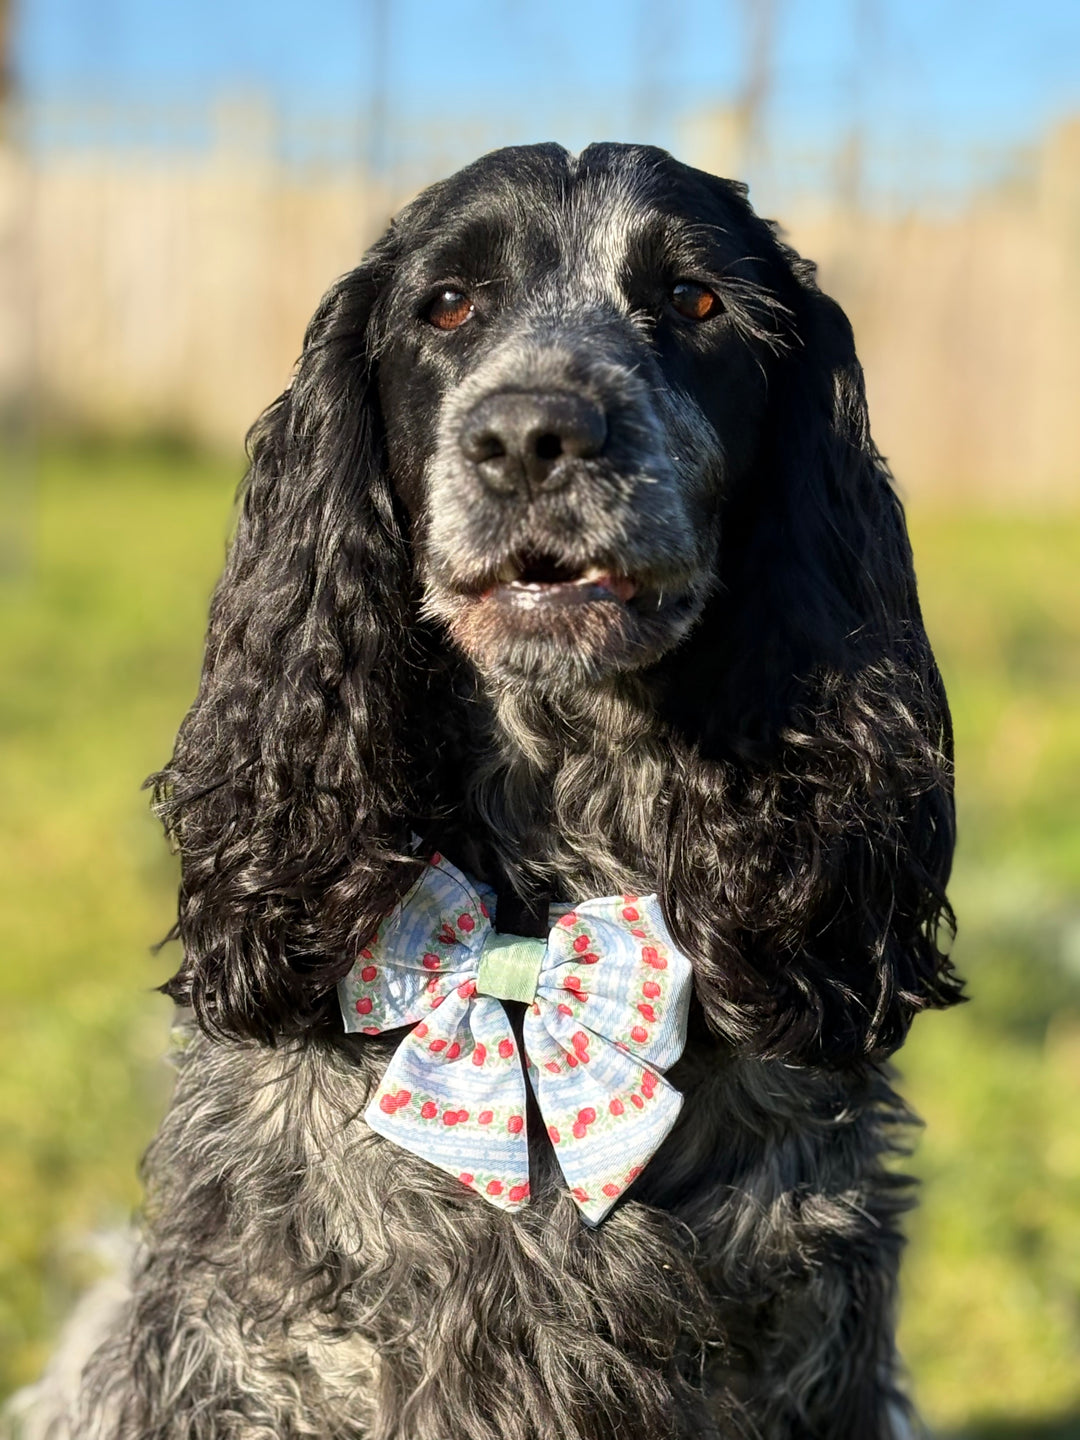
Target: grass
100, 640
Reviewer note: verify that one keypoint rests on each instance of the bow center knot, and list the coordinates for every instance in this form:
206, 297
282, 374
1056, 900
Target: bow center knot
509, 967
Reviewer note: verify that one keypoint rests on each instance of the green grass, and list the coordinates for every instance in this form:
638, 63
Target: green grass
99, 652
99, 647
991, 1323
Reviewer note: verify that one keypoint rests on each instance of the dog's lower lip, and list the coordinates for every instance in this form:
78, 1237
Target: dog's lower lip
592, 584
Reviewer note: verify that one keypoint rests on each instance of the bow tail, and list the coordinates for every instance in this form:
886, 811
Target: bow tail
454, 1094
606, 1112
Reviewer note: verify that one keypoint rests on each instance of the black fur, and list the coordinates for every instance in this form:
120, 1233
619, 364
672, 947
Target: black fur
760, 734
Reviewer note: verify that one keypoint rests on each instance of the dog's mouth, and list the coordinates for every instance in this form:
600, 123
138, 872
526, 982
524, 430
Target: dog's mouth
537, 610
531, 579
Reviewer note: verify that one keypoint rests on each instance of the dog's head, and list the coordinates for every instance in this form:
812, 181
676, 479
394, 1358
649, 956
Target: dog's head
574, 417
573, 371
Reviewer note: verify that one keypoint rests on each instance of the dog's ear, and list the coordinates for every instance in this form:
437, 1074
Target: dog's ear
824, 804
287, 790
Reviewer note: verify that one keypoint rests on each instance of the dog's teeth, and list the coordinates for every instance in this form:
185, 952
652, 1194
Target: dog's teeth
507, 573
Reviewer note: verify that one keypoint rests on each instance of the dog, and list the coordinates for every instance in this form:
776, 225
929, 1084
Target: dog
565, 568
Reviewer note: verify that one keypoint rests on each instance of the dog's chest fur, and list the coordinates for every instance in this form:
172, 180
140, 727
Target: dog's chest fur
355, 1291
352, 1290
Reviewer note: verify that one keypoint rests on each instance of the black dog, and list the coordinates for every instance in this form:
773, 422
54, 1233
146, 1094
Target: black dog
568, 551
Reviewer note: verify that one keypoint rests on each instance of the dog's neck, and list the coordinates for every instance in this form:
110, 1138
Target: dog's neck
563, 794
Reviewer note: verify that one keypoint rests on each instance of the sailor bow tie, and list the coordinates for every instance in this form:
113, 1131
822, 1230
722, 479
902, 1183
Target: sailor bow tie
607, 996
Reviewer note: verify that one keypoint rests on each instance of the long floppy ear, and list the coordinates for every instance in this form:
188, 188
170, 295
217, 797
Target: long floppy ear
823, 804
289, 785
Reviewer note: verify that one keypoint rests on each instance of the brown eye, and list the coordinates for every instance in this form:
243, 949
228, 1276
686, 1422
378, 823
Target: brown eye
449, 309
696, 302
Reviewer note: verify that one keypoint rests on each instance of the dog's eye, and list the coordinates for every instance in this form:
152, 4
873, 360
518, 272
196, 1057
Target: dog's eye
695, 301
449, 309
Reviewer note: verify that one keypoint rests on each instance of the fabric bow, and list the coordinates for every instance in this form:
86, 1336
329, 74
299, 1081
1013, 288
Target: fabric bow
607, 996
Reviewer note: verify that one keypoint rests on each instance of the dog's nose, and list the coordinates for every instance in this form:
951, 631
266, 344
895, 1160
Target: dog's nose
519, 439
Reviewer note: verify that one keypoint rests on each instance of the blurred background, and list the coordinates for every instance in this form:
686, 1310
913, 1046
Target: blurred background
179, 182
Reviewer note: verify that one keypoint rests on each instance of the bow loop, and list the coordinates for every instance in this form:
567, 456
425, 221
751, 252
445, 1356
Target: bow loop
607, 995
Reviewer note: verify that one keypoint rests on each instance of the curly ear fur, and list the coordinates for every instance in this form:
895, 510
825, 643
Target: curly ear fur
293, 768
812, 694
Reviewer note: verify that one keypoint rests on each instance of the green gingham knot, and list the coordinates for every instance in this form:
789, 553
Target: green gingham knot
606, 997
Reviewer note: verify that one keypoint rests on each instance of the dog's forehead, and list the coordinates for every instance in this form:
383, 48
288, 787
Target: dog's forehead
539, 208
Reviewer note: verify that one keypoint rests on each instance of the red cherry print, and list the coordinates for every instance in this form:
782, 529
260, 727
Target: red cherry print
368, 973
436, 1001
485, 1117
572, 982
437, 1046
651, 990
553, 1134
479, 1054
579, 1040
564, 1009
611, 1190
429, 1110
515, 1124
366, 954
403, 1097
430, 961
518, 1192
551, 1066
465, 1178
629, 913
649, 954
462, 1116
388, 1104
616, 1107
579, 1130
637, 1102
647, 1012
449, 1117
631, 1175
447, 936
638, 934
436, 858
639, 1033
495, 1187
535, 1008
630, 899
506, 1048
370, 1030
648, 1084
454, 1051
579, 1194
571, 1060
589, 958
587, 1116
483, 910
568, 920
466, 923
432, 987
582, 943
421, 1030
467, 989
363, 1005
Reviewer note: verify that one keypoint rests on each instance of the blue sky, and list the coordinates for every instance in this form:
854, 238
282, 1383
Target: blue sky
952, 76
